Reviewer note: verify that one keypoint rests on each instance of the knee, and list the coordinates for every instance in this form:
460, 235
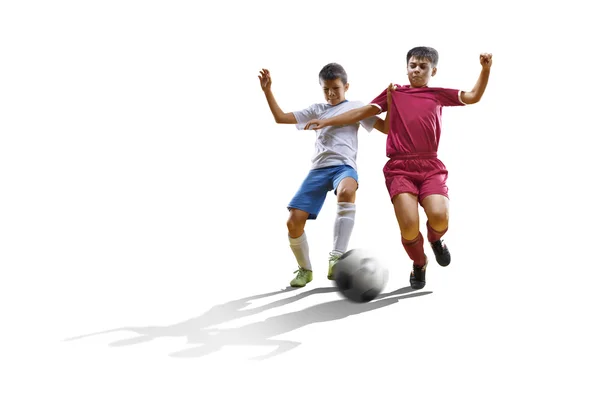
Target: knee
408, 223
409, 229
295, 225
438, 215
346, 194
292, 224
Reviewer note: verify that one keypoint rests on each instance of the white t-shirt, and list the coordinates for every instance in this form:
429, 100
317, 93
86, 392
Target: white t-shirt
334, 145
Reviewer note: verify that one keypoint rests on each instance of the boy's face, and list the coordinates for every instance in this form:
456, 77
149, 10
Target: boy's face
419, 71
334, 91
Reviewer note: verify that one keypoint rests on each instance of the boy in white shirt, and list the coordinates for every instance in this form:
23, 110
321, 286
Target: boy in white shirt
333, 167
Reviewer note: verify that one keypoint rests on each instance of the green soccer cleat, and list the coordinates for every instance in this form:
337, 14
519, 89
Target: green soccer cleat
303, 276
333, 258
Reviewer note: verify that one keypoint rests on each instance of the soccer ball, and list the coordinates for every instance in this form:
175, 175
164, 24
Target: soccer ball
359, 276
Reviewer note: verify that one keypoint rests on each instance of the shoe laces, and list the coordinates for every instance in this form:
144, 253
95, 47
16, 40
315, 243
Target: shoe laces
300, 272
334, 256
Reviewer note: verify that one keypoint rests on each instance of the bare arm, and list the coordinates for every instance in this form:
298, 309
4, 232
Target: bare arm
280, 116
386, 123
380, 125
477, 92
383, 126
349, 117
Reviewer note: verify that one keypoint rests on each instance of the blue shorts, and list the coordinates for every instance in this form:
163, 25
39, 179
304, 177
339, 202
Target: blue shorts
313, 191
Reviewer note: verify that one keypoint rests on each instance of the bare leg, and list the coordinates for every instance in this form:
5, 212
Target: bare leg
346, 190
406, 207
296, 222
437, 209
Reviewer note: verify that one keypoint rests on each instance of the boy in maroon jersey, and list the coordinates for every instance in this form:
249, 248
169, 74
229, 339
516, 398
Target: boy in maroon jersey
413, 174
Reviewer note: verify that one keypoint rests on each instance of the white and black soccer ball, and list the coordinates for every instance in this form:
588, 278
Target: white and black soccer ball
360, 276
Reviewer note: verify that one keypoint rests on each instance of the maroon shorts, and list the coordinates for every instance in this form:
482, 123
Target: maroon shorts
421, 174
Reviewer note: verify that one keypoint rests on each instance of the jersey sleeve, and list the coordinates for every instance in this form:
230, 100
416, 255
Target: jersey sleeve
368, 123
380, 101
449, 97
303, 116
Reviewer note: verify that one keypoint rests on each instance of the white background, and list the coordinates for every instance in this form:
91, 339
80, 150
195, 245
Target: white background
144, 184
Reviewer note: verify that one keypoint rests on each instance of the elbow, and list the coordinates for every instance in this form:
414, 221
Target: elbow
471, 98
284, 118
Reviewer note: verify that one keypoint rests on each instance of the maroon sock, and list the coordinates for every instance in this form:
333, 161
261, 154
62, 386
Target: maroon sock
433, 235
414, 249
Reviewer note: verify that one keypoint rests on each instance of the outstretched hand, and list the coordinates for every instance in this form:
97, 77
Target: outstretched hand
315, 123
265, 79
486, 60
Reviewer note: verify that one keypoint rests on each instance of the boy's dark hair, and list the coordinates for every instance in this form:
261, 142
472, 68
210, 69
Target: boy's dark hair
333, 71
421, 52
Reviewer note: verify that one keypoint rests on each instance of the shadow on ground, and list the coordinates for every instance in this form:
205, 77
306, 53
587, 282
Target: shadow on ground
199, 331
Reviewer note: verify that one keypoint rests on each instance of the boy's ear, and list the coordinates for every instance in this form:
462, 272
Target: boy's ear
346, 86
433, 71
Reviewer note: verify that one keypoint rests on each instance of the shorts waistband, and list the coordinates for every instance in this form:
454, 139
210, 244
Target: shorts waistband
412, 156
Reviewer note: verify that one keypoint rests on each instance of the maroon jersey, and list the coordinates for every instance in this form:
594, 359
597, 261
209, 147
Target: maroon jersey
415, 120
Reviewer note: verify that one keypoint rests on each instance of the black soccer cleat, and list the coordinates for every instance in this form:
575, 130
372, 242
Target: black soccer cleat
417, 276
442, 254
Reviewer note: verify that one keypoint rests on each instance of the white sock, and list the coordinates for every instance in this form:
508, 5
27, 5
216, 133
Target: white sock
342, 228
299, 247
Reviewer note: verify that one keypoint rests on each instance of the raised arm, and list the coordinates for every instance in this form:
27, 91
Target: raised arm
349, 117
280, 116
475, 95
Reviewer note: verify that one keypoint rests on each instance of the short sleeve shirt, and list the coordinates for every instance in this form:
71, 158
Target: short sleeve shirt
416, 117
334, 145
